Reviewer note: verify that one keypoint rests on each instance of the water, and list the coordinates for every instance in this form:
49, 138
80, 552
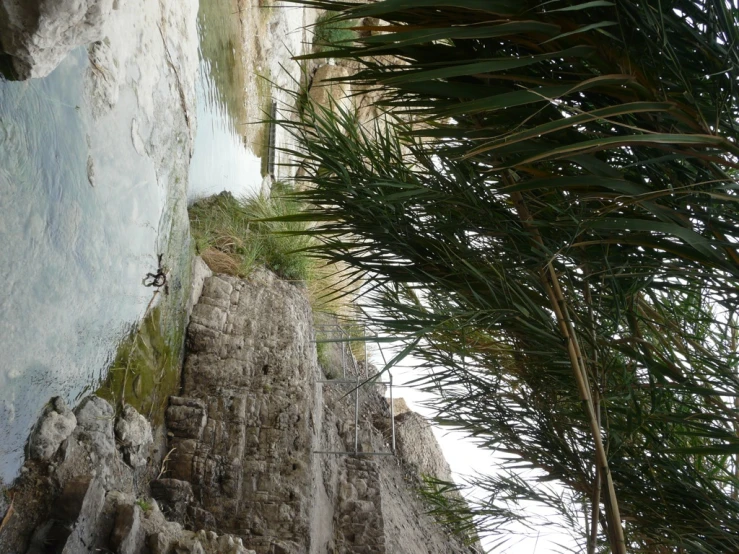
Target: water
85, 211
73, 254
223, 158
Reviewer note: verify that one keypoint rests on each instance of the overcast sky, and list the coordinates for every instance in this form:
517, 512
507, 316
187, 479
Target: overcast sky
466, 459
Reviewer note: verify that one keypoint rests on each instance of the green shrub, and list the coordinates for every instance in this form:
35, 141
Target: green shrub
330, 32
234, 236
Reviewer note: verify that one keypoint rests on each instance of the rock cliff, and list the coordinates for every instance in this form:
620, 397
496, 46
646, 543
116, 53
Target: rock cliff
250, 426
38, 34
246, 468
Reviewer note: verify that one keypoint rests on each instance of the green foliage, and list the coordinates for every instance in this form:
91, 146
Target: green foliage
556, 243
144, 504
447, 505
146, 369
322, 353
234, 236
331, 33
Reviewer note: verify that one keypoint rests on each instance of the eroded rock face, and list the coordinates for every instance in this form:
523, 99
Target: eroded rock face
240, 428
38, 34
417, 445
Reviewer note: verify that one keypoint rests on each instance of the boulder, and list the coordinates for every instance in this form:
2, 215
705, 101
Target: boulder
38, 34
133, 432
95, 425
55, 425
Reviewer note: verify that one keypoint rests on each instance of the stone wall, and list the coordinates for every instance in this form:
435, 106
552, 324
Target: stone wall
359, 526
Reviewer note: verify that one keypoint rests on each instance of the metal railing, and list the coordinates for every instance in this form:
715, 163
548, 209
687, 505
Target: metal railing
342, 337
272, 140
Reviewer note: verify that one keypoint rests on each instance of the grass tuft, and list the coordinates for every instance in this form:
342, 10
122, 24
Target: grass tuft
329, 32
235, 236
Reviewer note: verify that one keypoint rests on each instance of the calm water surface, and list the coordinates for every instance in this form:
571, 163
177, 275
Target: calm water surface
74, 254
221, 161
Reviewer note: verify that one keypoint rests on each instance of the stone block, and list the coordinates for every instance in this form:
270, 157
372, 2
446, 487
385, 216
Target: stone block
95, 425
199, 518
174, 496
186, 417
127, 536
55, 425
133, 432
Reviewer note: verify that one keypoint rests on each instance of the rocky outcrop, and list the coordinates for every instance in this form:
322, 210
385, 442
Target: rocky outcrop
251, 433
263, 455
88, 492
417, 446
56, 424
240, 430
38, 34
133, 433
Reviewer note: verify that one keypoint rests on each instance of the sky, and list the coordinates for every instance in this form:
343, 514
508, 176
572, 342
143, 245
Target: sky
466, 459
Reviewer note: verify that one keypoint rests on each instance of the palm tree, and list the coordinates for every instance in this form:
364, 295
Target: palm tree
556, 242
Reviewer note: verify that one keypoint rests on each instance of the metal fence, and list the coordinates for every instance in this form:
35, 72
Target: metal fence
335, 333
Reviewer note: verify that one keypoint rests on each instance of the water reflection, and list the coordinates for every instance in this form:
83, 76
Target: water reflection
73, 254
84, 216
221, 159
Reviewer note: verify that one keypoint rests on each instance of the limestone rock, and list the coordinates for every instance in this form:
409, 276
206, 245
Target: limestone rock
240, 429
55, 426
323, 91
133, 432
38, 34
186, 417
176, 540
400, 406
417, 445
174, 495
95, 425
200, 272
127, 536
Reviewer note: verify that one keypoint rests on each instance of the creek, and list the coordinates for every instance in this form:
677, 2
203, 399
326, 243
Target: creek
87, 207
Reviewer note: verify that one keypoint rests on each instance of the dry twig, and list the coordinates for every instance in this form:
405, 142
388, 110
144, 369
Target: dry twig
163, 468
8, 514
